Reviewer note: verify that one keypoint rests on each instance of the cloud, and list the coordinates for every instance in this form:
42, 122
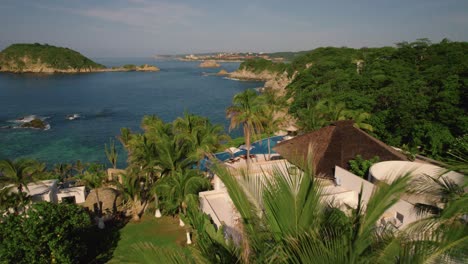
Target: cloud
141, 14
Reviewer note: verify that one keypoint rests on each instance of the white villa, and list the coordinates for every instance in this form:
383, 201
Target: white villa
333, 147
50, 191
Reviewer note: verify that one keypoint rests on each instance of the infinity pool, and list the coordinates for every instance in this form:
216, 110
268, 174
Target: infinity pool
258, 147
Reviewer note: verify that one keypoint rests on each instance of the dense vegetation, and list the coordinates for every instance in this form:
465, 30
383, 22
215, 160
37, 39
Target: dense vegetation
162, 171
287, 56
259, 65
414, 95
56, 57
417, 92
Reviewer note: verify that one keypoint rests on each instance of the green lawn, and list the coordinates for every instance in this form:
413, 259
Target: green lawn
164, 232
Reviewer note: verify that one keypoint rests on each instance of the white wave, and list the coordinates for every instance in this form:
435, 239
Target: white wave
73, 116
25, 119
29, 118
232, 79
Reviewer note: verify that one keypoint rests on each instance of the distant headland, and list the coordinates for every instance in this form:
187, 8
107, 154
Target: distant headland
44, 58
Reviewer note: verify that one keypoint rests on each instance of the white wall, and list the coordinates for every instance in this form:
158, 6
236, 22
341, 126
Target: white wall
354, 183
206, 207
406, 209
78, 192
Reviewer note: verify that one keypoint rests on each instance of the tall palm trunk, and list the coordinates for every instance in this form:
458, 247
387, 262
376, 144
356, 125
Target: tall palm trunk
101, 224
269, 149
20, 192
135, 211
181, 222
157, 213
247, 143
99, 206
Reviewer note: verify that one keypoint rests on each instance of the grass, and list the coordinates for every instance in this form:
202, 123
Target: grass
164, 232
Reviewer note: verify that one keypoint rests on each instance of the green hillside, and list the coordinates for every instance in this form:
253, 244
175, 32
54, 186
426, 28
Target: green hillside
259, 65
416, 93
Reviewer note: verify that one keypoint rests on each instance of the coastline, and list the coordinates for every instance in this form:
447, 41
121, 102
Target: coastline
200, 60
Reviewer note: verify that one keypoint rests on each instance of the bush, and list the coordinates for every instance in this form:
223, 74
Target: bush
360, 166
46, 233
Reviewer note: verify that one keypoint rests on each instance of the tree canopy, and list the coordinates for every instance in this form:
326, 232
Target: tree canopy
415, 92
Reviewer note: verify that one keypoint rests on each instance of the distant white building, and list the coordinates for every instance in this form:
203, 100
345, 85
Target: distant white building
50, 191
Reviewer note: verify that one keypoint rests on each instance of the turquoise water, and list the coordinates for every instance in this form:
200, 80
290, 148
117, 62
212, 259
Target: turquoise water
258, 147
106, 102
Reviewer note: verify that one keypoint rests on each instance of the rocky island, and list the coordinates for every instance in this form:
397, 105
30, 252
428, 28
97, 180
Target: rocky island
132, 67
223, 72
38, 58
209, 64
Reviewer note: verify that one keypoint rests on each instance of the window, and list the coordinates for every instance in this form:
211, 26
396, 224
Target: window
69, 200
400, 217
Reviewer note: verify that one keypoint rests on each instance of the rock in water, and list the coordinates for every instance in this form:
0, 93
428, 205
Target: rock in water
148, 68
35, 123
209, 64
222, 73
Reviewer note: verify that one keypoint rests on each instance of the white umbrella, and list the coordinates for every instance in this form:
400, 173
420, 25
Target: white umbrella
291, 128
233, 150
245, 147
281, 133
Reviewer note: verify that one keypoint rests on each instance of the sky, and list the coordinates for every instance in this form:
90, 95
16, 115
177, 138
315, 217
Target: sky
142, 28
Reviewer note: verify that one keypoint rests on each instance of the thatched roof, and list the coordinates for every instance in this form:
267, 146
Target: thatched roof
109, 197
333, 145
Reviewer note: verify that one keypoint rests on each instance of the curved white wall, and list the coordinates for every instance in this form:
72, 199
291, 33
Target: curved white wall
388, 171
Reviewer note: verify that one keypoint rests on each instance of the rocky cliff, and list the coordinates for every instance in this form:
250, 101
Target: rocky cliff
29, 66
273, 80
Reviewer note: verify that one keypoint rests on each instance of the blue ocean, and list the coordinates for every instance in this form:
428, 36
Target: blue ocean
105, 103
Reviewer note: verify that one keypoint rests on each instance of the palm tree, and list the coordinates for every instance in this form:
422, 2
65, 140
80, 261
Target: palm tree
19, 172
12, 200
111, 153
132, 190
284, 220
125, 136
359, 117
79, 167
177, 189
444, 209
94, 181
62, 170
173, 155
247, 110
272, 119
154, 192
204, 137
